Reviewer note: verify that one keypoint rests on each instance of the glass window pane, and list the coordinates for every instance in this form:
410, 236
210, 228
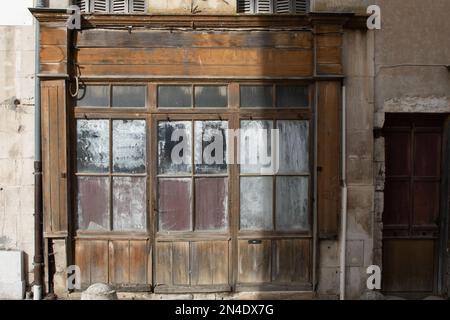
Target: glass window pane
255, 146
93, 146
93, 96
211, 96
174, 147
294, 146
256, 203
93, 203
211, 147
175, 198
292, 203
211, 203
129, 96
256, 96
292, 97
129, 205
174, 96
129, 146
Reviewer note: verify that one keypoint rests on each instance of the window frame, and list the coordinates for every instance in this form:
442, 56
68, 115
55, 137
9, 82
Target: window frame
110, 174
234, 114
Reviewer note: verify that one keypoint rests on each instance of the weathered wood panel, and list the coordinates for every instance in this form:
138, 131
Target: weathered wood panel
408, 265
54, 156
181, 262
119, 261
53, 49
163, 264
254, 264
196, 71
138, 262
124, 263
96, 38
209, 262
192, 263
196, 54
328, 152
83, 261
329, 50
291, 261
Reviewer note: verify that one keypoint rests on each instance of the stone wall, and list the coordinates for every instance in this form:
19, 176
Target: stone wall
359, 71
412, 52
17, 136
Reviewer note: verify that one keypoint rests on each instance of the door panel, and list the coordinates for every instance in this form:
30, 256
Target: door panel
191, 265
122, 263
408, 265
275, 262
254, 261
412, 196
291, 261
209, 263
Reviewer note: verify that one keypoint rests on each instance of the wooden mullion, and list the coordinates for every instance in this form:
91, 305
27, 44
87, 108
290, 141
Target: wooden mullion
111, 222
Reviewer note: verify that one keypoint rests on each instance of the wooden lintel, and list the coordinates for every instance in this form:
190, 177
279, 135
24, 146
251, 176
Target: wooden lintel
202, 21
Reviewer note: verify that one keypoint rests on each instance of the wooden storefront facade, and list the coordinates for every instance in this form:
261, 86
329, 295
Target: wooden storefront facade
139, 77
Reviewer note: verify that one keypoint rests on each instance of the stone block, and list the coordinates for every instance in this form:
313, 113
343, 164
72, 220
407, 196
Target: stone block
355, 253
356, 6
360, 198
215, 6
7, 172
360, 144
99, 291
328, 281
355, 282
328, 254
359, 170
12, 282
358, 53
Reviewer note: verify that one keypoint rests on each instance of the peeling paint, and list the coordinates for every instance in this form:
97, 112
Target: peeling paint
418, 104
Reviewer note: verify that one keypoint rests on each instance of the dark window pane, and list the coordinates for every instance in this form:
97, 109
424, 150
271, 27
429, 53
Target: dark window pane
129, 141
129, 96
174, 147
256, 96
211, 96
292, 203
292, 97
211, 147
93, 146
174, 211
294, 146
211, 202
129, 205
174, 96
93, 203
93, 96
256, 203
256, 146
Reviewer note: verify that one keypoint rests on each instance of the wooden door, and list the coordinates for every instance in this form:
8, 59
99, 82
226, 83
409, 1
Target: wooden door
412, 203
192, 216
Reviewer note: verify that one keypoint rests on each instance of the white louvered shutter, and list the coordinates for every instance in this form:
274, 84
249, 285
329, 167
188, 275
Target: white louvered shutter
138, 6
283, 6
100, 6
245, 6
301, 6
264, 6
119, 6
83, 5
